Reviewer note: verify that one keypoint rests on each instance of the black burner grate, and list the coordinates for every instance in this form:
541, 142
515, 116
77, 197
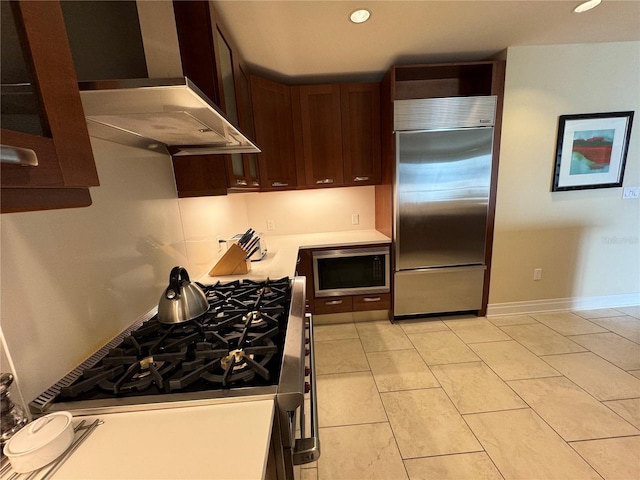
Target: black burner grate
237, 342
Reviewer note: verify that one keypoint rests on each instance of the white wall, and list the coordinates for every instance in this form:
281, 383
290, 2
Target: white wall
74, 278
585, 241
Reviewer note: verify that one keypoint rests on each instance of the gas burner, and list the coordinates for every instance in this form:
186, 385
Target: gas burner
254, 318
235, 360
146, 364
266, 290
248, 355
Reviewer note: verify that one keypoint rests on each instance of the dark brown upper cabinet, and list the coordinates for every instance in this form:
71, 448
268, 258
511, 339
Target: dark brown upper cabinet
274, 134
242, 169
195, 26
337, 129
46, 118
200, 175
211, 60
360, 109
444, 80
318, 133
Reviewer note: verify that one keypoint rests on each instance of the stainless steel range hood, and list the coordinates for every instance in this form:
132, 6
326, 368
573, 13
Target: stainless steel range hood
170, 115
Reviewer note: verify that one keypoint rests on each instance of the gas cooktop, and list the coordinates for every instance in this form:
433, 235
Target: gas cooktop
238, 343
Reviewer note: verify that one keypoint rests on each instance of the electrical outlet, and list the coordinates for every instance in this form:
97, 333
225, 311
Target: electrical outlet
355, 219
630, 192
220, 242
271, 225
537, 274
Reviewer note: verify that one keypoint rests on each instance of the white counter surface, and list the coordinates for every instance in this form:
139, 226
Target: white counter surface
197, 442
282, 252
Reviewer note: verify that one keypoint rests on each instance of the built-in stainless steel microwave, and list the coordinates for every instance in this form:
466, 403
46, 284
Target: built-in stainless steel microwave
351, 271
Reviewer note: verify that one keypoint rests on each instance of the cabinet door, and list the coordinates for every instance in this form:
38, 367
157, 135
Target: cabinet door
274, 134
326, 305
361, 133
243, 168
207, 60
66, 165
380, 301
318, 121
200, 175
195, 37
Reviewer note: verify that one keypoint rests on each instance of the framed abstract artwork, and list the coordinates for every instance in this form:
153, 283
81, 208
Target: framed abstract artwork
591, 150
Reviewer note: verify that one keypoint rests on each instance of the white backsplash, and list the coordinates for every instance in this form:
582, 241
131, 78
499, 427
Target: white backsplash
312, 211
206, 219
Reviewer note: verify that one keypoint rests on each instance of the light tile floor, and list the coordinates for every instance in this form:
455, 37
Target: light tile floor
536, 397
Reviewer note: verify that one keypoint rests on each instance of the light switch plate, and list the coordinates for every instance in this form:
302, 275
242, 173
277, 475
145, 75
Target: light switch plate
630, 192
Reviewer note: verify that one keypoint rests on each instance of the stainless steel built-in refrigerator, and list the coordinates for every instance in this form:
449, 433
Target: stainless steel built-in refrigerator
443, 178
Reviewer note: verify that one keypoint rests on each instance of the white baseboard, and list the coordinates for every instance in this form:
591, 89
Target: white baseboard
559, 304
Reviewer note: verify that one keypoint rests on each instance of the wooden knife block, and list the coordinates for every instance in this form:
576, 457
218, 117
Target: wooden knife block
233, 262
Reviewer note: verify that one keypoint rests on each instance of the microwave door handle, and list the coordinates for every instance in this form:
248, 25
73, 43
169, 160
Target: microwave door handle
307, 450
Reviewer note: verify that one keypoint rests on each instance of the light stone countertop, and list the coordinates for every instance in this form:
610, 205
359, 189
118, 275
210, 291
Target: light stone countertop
206, 442
282, 253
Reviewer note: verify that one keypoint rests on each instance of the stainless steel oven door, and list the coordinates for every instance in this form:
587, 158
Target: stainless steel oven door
295, 439
307, 448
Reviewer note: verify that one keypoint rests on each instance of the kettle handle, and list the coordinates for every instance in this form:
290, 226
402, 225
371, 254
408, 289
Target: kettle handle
177, 276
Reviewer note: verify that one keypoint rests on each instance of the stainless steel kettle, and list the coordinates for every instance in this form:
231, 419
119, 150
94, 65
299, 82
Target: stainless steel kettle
182, 300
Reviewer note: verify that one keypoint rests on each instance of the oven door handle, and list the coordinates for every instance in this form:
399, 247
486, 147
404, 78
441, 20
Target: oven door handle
307, 450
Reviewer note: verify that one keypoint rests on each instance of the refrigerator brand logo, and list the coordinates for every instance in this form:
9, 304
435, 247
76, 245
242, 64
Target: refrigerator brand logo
620, 240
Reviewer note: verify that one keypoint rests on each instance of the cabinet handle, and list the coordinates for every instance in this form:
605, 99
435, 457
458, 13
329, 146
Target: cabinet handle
371, 299
360, 179
279, 184
241, 182
333, 302
18, 156
324, 180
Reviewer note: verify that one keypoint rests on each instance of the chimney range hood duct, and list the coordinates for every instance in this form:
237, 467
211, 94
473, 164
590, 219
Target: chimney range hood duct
169, 115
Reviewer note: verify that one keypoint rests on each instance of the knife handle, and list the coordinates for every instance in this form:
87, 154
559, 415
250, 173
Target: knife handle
252, 243
257, 247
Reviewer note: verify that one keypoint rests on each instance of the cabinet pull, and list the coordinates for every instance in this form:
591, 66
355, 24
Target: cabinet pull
371, 299
279, 184
241, 182
324, 180
18, 155
360, 179
333, 302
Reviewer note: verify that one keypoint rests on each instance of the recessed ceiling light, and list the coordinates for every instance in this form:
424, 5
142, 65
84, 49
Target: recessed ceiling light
583, 7
360, 16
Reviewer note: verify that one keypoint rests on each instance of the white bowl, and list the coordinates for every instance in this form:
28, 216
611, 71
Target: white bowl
40, 442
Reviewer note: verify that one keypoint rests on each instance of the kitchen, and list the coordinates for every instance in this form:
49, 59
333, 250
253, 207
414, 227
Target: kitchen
113, 258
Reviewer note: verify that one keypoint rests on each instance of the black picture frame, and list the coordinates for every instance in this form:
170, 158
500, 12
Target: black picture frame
591, 150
